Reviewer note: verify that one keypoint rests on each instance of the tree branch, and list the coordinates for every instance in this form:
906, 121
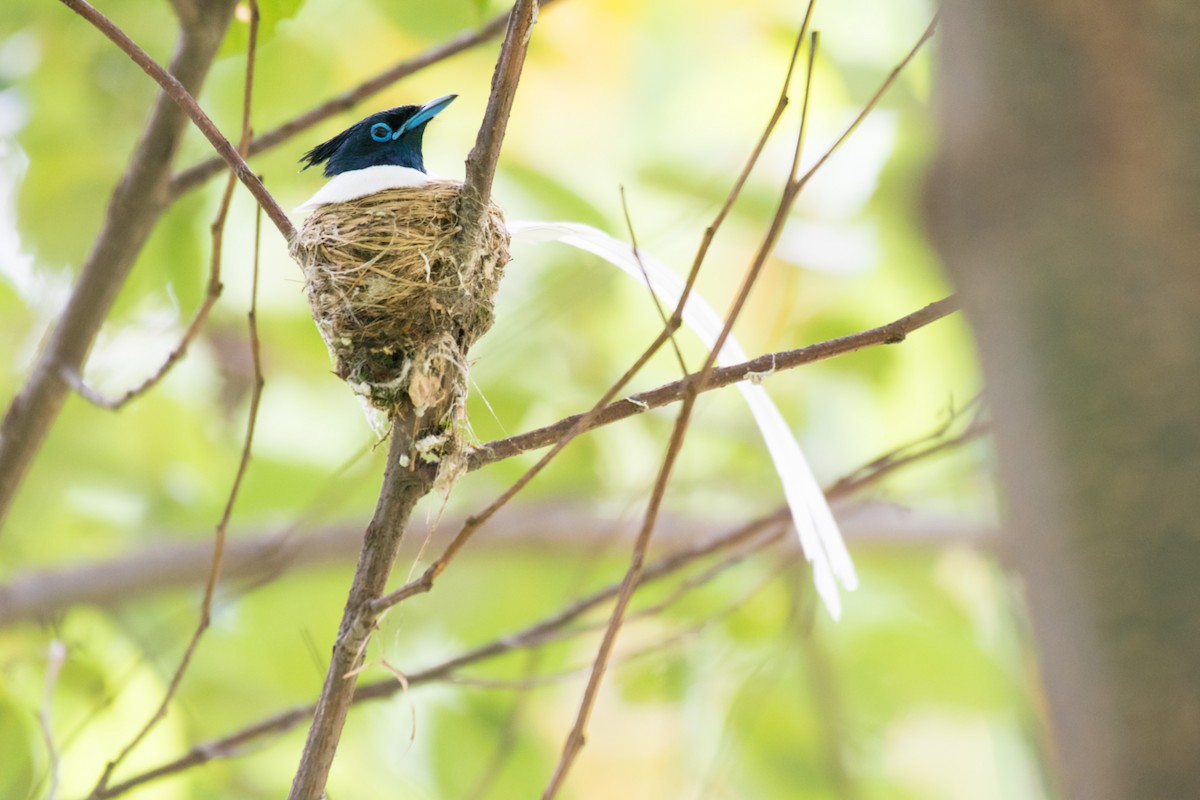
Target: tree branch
756, 369
222, 528
39, 594
136, 204
547, 629
186, 101
217, 231
481, 162
531, 636
404, 483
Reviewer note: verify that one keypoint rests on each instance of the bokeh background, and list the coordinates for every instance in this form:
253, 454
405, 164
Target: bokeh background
743, 687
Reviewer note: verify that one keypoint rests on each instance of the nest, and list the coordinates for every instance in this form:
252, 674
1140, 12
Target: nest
395, 297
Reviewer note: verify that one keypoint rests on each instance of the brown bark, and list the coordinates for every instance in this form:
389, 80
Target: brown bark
136, 204
1066, 200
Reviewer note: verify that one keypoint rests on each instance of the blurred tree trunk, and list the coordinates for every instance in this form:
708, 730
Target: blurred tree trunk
1066, 203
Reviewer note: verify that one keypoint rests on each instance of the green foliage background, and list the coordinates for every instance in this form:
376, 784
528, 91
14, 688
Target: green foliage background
921, 691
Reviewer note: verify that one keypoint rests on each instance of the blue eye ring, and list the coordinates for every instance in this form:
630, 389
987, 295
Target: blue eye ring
381, 132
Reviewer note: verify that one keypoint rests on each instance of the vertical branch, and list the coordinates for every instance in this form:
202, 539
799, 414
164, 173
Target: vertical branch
407, 479
403, 485
481, 162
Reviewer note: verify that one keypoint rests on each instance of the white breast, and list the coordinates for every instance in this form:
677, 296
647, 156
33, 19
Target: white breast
362, 182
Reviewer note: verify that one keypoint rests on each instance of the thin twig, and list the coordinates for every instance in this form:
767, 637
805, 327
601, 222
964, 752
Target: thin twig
576, 737
872, 102
137, 202
550, 629
637, 256
222, 528
215, 287
891, 333
187, 102
530, 636
931, 444
482, 160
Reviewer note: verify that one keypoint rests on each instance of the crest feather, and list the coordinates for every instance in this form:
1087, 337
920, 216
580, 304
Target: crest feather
325, 150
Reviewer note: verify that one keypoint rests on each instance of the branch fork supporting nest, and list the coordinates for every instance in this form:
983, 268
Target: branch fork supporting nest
397, 303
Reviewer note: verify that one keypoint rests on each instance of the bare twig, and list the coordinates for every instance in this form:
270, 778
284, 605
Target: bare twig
658, 306
404, 483
247, 443
179, 93
576, 737
137, 202
482, 160
892, 333
764, 529
215, 287
871, 103
531, 636
929, 445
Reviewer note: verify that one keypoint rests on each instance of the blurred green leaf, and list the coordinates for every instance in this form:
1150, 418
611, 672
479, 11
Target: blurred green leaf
18, 740
270, 14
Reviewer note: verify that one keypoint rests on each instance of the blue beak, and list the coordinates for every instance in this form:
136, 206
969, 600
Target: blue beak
424, 114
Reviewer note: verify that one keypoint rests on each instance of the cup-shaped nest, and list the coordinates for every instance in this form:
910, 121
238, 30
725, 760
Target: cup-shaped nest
397, 298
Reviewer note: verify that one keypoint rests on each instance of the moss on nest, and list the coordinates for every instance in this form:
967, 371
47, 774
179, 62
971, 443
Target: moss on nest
394, 303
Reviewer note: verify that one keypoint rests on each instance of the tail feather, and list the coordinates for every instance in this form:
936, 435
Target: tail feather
818, 531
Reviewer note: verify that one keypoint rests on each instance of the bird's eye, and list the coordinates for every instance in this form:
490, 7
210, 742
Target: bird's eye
381, 131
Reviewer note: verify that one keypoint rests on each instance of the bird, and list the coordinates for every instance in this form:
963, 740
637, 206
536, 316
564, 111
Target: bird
382, 151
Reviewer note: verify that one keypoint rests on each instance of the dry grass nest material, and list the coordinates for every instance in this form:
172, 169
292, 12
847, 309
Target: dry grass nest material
396, 298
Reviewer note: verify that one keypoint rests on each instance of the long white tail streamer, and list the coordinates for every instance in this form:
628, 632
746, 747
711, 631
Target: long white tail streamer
819, 535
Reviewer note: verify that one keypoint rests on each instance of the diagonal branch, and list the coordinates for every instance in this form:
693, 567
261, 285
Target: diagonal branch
404, 483
553, 626
217, 231
39, 594
532, 636
186, 101
892, 333
136, 204
222, 528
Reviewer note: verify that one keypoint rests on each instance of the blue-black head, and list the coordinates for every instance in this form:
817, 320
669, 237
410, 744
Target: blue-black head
389, 137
